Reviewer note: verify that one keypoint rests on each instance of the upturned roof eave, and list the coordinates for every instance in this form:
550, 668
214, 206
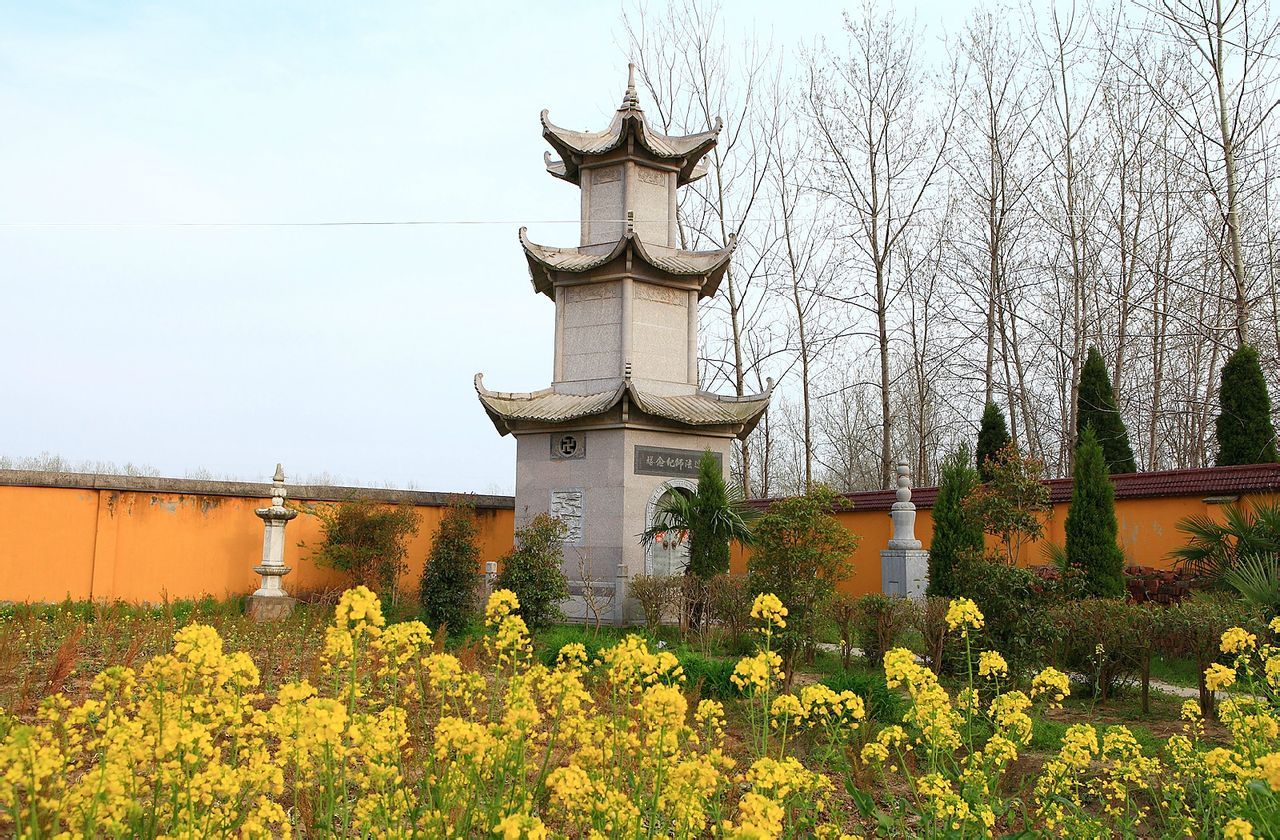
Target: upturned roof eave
576, 146
543, 263
678, 411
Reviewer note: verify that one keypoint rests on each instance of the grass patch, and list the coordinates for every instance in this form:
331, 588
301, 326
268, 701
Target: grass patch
709, 675
883, 704
1180, 672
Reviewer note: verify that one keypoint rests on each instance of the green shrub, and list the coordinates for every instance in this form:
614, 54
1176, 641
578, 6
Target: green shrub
880, 620
1214, 548
367, 542
447, 589
801, 553
534, 571
1193, 629
729, 602
957, 534
883, 704
1095, 643
1091, 523
1013, 602
1013, 502
553, 639
709, 675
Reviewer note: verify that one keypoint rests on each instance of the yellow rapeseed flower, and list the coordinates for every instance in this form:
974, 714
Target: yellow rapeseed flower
963, 615
768, 607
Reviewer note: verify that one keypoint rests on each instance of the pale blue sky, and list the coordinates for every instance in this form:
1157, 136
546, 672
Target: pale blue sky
341, 350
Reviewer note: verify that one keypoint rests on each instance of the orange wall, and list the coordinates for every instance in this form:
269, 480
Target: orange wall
1147, 531
138, 545
60, 542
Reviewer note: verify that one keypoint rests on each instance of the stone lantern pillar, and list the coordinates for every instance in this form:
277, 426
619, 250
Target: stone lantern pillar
271, 601
904, 564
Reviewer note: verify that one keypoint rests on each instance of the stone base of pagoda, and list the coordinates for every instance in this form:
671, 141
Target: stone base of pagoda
606, 485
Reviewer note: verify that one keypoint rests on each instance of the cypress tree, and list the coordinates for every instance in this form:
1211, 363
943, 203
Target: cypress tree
1096, 409
993, 436
1244, 430
448, 583
709, 545
1091, 522
957, 536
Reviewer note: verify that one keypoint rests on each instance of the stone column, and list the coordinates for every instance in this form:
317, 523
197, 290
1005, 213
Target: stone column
904, 564
271, 601
620, 595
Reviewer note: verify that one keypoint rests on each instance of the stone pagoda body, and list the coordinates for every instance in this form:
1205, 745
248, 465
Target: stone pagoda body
624, 421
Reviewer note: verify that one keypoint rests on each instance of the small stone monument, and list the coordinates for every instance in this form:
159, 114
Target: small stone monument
904, 565
271, 602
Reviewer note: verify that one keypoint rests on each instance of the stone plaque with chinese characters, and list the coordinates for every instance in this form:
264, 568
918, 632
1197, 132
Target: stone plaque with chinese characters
566, 505
659, 460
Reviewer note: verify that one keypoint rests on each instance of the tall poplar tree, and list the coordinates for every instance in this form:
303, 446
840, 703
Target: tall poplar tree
993, 436
1244, 429
957, 535
1091, 522
1096, 409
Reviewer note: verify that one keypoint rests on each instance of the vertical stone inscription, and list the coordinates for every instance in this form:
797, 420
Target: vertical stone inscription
566, 505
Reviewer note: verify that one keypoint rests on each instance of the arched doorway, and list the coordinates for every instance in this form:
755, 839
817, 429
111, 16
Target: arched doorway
669, 554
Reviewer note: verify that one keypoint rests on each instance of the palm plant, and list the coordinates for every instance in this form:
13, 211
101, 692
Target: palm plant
712, 517
1215, 548
1257, 578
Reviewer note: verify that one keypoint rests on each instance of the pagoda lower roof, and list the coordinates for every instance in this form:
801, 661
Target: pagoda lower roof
628, 122
550, 407
544, 260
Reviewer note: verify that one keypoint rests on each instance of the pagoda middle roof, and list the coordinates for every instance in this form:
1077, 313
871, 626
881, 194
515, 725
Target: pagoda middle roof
548, 406
544, 259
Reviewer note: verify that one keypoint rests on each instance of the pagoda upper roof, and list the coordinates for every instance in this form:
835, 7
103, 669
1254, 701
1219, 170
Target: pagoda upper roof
544, 259
629, 122
701, 408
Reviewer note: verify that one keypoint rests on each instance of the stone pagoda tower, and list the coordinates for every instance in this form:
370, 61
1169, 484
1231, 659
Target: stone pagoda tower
624, 421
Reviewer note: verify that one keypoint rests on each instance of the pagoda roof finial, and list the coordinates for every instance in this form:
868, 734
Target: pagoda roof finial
630, 99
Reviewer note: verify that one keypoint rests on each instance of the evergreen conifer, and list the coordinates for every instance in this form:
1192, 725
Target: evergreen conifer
1091, 522
957, 536
993, 436
1096, 409
709, 546
448, 586
1244, 430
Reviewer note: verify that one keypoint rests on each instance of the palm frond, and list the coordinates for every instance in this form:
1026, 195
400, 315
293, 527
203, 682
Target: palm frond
1213, 548
1257, 578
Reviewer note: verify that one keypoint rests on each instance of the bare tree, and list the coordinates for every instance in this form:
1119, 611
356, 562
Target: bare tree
698, 82
1224, 105
881, 152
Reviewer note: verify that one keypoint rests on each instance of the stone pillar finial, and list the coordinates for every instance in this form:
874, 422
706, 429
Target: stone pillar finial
271, 601
904, 564
630, 99
904, 511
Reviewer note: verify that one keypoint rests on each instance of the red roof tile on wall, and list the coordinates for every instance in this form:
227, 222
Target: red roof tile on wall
1205, 481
